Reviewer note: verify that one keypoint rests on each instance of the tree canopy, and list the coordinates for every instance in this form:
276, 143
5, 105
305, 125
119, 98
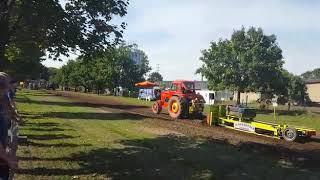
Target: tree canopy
311, 75
295, 89
248, 61
114, 68
31, 29
155, 77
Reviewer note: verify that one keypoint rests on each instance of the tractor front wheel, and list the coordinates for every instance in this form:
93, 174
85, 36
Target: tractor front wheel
289, 134
156, 107
176, 107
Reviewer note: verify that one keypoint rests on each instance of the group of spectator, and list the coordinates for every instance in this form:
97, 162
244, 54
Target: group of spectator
9, 120
40, 84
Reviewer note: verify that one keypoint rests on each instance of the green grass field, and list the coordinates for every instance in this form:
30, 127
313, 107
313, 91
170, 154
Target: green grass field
63, 135
71, 141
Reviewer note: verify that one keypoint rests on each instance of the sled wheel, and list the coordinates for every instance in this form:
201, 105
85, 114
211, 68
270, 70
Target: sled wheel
289, 134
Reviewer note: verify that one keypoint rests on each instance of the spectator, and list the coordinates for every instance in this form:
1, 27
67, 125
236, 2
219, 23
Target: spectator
6, 161
12, 95
12, 89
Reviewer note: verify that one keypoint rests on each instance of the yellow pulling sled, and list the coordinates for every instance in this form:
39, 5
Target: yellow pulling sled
242, 119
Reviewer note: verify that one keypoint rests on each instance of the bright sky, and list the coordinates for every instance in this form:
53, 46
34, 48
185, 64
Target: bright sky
172, 33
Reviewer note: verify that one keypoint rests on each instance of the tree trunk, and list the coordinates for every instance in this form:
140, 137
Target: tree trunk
3, 43
238, 97
2, 57
4, 29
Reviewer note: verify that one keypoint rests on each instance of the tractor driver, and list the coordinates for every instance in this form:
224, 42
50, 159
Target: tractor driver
189, 86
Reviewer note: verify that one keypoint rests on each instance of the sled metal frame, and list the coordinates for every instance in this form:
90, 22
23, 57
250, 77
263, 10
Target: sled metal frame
263, 128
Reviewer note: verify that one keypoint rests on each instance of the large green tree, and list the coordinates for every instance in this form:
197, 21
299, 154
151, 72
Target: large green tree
130, 72
115, 67
155, 77
296, 90
53, 75
311, 75
76, 73
248, 61
56, 29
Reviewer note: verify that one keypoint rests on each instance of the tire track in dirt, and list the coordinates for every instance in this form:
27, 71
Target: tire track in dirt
197, 129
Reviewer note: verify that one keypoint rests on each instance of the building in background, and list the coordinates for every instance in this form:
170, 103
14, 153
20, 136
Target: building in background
313, 90
137, 56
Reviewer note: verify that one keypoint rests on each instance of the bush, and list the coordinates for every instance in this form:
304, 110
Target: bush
282, 100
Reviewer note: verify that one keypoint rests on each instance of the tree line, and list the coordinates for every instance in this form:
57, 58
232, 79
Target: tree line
115, 67
251, 61
311, 75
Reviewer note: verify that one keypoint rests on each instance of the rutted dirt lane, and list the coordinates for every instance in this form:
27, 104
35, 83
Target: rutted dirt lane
196, 128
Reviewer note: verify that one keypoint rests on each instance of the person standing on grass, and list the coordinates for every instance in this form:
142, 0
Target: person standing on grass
7, 161
13, 89
12, 96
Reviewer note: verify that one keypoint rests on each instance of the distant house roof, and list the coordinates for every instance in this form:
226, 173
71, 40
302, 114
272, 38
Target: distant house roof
313, 81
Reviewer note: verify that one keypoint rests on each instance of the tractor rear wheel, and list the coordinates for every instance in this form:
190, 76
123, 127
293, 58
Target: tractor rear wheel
176, 107
289, 134
156, 107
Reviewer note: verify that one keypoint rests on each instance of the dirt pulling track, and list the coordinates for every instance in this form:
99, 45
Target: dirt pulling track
308, 151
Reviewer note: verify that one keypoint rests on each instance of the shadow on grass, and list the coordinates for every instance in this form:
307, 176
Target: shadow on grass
84, 116
95, 116
48, 129
46, 159
82, 104
25, 115
35, 144
42, 124
49, 136
175, 157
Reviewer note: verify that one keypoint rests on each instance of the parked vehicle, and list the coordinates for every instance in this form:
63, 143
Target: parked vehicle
149, 94
212, 97
208, 96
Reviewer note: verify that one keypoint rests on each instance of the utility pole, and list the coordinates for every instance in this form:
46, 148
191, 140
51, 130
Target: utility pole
158, 68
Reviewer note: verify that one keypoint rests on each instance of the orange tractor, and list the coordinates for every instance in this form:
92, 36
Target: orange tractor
181, 100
